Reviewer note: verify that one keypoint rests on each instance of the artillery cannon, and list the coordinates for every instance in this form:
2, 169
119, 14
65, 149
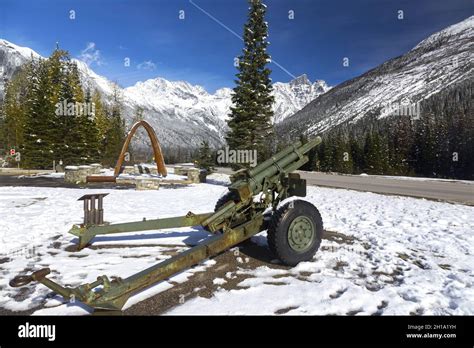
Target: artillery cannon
251, 205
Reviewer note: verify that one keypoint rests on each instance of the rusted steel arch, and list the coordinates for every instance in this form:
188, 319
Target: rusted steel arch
160, 162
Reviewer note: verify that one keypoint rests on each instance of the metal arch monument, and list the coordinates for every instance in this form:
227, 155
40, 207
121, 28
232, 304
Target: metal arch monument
160, 162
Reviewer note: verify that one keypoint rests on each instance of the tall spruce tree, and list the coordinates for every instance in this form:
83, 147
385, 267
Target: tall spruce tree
14, 110
57, 65
48, 116
88, 131
115, 135
205, 158
101, 120
250, 125
72, 136
38, 148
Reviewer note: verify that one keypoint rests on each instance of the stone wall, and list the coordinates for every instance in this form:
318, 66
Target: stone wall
78, 174
147, 184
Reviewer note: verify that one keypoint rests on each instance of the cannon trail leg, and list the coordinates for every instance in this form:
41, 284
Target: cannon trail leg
116, 297
114, 294
86, 233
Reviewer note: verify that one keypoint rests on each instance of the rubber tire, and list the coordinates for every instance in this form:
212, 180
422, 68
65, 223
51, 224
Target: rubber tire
277, 234
229, 196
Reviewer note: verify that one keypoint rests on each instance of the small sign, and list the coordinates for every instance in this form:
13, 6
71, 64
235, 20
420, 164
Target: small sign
18, 157
12, 152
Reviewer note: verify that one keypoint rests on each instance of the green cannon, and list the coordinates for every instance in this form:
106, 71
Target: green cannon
252, 204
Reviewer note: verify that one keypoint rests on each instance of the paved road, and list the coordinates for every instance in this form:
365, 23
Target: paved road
449, 191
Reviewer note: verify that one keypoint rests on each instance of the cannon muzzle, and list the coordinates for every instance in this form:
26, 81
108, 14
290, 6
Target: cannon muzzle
284, 162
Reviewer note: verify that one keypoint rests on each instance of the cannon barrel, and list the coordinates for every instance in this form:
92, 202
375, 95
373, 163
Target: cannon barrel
287, 160
285, 152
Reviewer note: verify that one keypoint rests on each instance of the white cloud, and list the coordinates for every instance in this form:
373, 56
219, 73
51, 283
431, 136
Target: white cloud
91, 55
147, 65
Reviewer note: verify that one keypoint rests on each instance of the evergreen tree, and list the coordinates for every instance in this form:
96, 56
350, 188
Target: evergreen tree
61, 93
73, 124
205, 158
47, 116
327, 155
88, 133
39, 141
312, 155
250, 125
424, 147
400, 141
115, 135
376, 153
357, 154
101, 120
138, 115
437, 144
13, 110
343, 162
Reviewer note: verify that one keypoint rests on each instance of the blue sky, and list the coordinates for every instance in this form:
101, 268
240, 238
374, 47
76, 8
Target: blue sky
200, 50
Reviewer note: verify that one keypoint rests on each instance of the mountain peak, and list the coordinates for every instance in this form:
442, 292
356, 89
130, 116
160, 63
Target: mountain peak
23, 51
458, 30
301, 80
162, 85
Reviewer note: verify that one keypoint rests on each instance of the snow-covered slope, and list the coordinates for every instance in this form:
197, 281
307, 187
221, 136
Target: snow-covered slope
182, 107
182, 114
11, 58
160, 94
295, 95
94, 81
441, 60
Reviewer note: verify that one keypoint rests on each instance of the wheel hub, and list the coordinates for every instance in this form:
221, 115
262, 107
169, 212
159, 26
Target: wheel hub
301, 233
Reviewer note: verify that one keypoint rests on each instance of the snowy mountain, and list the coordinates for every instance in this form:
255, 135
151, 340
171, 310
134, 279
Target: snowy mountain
11, 58
295, 95
182, 114
191, 112
441, 60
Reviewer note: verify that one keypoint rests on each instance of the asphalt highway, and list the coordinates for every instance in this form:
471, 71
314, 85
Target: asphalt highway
448, 191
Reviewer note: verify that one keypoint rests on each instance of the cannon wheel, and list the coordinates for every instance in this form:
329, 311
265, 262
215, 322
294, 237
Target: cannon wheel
295, 232
227, 197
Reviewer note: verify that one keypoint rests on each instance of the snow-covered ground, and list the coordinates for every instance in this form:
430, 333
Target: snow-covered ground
407, 256
401, 255
33, 235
